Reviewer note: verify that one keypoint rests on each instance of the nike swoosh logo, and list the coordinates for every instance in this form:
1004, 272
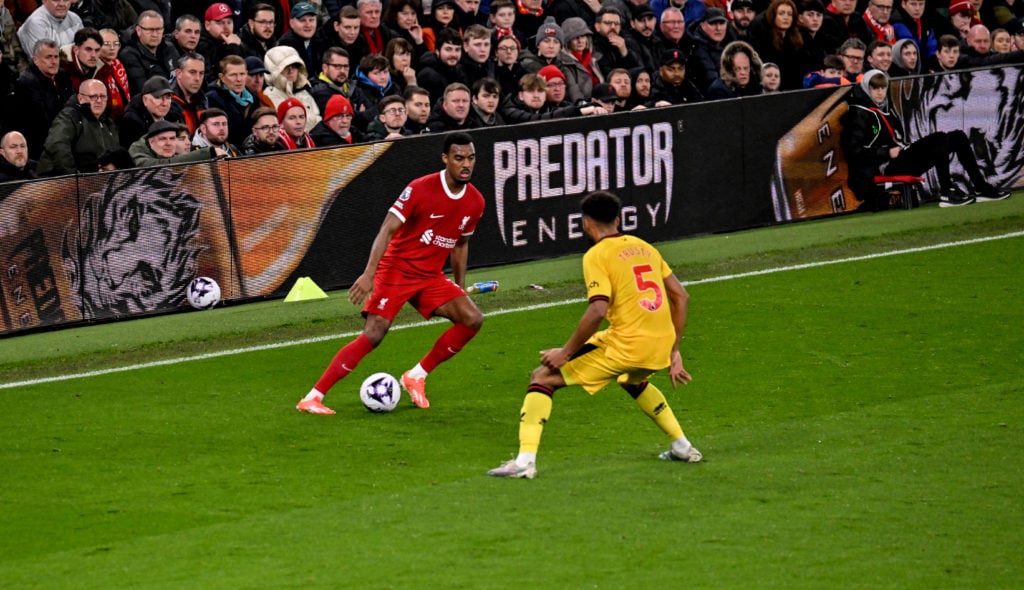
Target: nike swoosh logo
432, 216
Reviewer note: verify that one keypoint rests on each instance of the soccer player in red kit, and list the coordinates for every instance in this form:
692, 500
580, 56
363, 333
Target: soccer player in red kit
431, 221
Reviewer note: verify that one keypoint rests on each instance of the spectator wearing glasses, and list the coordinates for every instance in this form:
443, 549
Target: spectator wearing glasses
265, 129
336, 127
672, 33
612, 49
391, 119
257, 34
852, 52
877, 18
335, 79
147, 54
80, 134
213, 132
52, 20
113, 75
507, 69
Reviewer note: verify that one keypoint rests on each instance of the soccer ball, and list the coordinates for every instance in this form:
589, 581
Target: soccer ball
380, 392
203, 293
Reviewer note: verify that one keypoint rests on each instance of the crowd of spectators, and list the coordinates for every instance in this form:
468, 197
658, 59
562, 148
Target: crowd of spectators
99, 84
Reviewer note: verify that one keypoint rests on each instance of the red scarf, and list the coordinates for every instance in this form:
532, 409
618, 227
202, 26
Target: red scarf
525, 10
585, 59
291, 144
880, 32
373, 39
116, 78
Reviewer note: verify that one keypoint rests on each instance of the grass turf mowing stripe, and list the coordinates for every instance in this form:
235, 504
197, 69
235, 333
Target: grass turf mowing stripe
235, 351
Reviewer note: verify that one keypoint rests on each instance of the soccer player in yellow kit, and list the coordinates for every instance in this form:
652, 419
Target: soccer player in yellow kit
645, 304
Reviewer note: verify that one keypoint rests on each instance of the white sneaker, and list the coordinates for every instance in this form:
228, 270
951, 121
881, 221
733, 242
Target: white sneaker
512, 470
692, 455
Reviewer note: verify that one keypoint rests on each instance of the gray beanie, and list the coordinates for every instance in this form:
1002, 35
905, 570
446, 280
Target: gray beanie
550, 28
574, 27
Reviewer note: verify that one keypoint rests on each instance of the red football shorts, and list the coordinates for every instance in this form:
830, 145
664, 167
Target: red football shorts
391, 290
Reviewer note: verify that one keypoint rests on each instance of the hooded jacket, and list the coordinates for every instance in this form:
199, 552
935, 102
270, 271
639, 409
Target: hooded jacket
727, 86
869, 131
280, 89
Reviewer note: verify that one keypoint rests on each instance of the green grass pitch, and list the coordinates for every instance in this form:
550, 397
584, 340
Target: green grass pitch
861, 425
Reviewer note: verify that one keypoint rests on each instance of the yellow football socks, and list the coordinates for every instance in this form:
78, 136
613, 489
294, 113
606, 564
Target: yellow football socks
532, 417
652, 402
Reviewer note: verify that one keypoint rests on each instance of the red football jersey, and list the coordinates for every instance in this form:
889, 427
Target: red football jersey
433, 220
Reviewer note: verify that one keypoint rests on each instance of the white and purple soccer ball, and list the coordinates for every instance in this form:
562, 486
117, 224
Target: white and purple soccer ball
203, 293
380, 392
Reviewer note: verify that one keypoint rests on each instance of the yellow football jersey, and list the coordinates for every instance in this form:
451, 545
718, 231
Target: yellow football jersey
629, 273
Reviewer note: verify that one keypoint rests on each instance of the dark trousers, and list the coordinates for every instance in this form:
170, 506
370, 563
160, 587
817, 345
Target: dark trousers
935, 150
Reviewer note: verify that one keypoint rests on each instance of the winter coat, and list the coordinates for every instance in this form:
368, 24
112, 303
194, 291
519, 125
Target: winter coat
143, 155
705, 61
8, 173
869, 132
434, 76
136, 121
280, 89
324, 136
376, 131
141, 65
76, 141
239, 121
683, 94
578, 83
514, 111
726, 85
35, 104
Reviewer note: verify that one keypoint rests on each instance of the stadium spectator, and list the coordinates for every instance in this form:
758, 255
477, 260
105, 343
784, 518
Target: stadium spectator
390, 121
344, 34
620, 81
336, 126
530, 104
182, 141
819, 40
99, 14
231, 96
486, 99
255, 80
831, 74
291, 114
962, 16
691, 11
906, 59
606, 99
186, 34
576, 61
265, 129
147, 54
40, 92
916, 23
12, 56
612, 49
15, 163
642, 25
530, 17
467, 14
846, 21
452, 113
158, 147
670, 86
417, 108
740, 73
1016, 30
776, 38
710, 36
218, 40
555, 88
852, 52
188, 97
507, 69
475, 62
596, 359
399, 56
503, 22
771, 78
81, 60
334, 79
947, 57
402, 268
153, 103
287, 78
743, 13
79, 134
672, 32
877, 17
879, 56
978, 52
874, 143
257, 34
372, 32
373, 77
213, 132
438, 69
301, 36
403, 17
1001, 41
116, 158
111, 71
53, 20
640, 88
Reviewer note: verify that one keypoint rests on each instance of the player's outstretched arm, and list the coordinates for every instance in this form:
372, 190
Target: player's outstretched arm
587, 326
361, 289
679, 301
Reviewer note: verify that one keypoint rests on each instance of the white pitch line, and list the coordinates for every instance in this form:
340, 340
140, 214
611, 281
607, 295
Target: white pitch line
248, 349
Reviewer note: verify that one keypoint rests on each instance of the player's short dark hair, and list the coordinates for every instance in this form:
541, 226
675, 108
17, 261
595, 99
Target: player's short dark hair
601, 206
459, 138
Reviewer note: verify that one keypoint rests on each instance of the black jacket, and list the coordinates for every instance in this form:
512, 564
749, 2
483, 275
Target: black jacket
35, 104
